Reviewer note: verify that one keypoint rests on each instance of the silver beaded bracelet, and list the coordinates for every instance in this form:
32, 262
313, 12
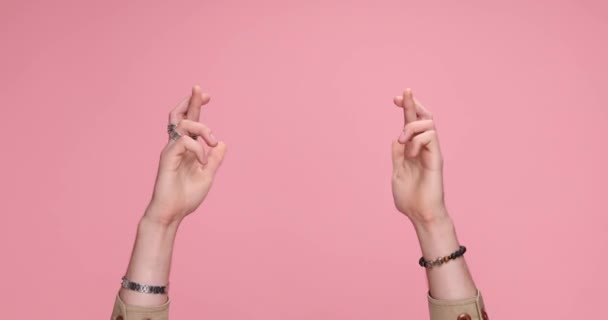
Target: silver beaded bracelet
143, 288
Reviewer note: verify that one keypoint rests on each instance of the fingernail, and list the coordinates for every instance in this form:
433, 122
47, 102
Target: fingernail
402, 137
213, 138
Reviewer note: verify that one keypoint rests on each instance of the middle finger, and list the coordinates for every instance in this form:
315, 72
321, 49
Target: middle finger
409, 107
197, 100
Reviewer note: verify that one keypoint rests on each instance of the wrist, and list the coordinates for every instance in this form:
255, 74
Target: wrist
150, 226
151, 256
430, 219
150, 262
437, 238
157, 217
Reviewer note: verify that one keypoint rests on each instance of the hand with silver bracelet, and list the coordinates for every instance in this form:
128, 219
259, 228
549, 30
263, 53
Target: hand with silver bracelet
186, 173
187, 167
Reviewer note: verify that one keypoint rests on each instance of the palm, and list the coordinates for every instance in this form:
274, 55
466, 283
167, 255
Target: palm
186, 169
417, 181
183, 188
416, 188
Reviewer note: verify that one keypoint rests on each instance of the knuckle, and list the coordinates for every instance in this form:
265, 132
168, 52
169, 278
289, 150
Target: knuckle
164, 153
182, 140
410, 128
418, 139
407, 131
182, 123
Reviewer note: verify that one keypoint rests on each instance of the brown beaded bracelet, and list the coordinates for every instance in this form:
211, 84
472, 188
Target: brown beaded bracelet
439, 261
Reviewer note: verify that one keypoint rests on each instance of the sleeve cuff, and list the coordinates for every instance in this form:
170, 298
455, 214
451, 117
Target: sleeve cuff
465, 309
123, 311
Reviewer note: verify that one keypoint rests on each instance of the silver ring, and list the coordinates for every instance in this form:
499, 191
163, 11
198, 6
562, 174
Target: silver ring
172, 131
174, 135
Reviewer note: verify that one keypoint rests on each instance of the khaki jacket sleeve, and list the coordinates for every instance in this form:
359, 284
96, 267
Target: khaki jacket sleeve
466, 309
123, 311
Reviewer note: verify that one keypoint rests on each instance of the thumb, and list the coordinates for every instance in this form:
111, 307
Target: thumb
215, 157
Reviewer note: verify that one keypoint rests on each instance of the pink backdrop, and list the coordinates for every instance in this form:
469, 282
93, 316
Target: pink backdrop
300, 223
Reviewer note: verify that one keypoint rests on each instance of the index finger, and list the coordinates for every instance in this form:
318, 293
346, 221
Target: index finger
409, 106
179, 112
422, 112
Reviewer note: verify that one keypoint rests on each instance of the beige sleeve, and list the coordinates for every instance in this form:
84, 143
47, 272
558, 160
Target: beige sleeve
466, 309
123, 311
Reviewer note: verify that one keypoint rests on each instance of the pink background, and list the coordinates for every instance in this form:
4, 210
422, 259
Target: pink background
300, 223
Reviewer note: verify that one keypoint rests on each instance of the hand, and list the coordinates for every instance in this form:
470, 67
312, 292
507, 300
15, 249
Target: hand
417, 180
186, 170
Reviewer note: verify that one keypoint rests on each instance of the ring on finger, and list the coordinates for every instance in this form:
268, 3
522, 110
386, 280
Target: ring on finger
174, 134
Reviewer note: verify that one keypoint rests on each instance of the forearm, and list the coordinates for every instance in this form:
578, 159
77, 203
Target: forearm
452, 280
150, 261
